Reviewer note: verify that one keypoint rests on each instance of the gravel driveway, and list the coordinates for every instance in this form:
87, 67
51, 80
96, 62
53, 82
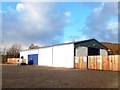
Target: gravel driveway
30, 76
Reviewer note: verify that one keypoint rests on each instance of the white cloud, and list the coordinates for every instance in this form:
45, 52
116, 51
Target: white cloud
76, 38
20, 7
102, 4
68, 21
35, 24
33, 12
0, 11
67, 41
67, 14
112, 27
98, 23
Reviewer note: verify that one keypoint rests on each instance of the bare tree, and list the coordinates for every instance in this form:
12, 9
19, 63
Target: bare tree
4, 55
14, 50
4, 51
32, 46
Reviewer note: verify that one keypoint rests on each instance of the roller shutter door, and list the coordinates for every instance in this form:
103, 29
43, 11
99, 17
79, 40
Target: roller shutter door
33, 59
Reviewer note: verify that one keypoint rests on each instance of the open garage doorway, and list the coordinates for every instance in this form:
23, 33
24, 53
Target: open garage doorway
93, 51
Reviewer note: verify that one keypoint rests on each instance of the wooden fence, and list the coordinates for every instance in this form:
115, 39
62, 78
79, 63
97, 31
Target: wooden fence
80, 62
12, 60
110, 62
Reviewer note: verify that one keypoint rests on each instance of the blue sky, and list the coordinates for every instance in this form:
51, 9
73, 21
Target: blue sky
58, 22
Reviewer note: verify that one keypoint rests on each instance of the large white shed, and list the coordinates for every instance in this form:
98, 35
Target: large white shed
62, 55
58, 56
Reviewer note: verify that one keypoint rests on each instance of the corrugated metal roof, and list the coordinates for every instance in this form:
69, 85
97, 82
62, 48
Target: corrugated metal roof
93, 43
77, 42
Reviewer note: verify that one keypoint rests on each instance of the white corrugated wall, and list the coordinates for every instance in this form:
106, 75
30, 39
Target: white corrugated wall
33, 51
28, 52
63, 56
45, 56
57, 56
25, 55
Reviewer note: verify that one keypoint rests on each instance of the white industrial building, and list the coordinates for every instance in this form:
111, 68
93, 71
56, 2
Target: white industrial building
62, 55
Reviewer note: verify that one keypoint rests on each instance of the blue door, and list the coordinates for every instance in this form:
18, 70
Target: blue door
33, 59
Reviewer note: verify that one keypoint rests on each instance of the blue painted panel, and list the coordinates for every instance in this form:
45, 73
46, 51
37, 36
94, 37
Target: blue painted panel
33, 59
